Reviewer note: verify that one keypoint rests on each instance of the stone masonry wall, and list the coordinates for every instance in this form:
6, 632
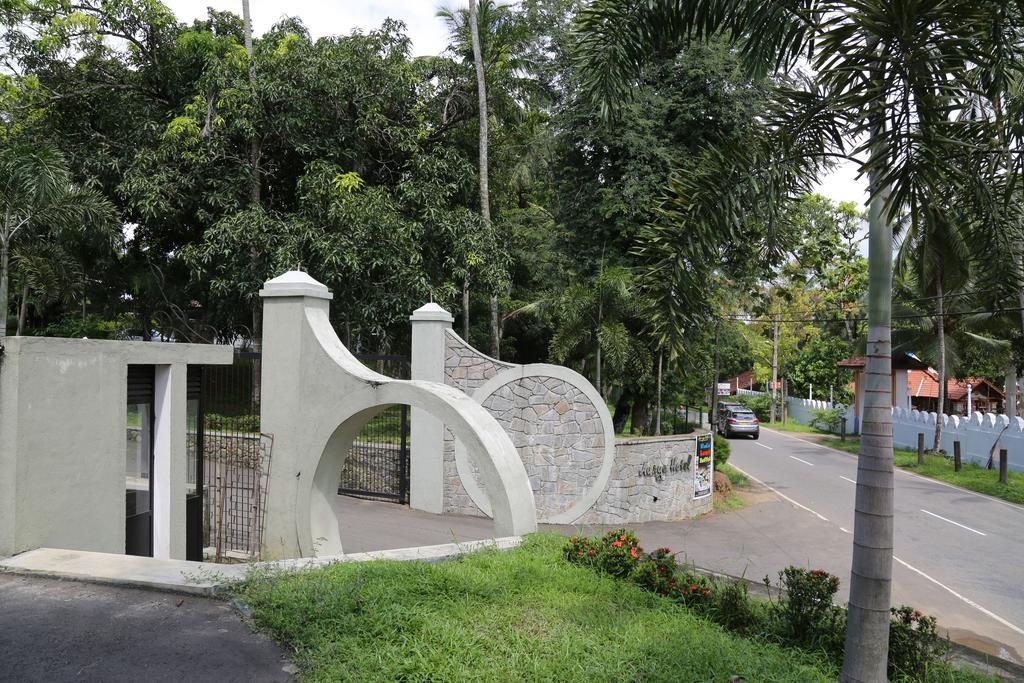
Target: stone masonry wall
560, 437
652, 480
465, 369
558, 434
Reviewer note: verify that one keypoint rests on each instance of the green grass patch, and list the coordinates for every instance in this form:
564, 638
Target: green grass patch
971, 476
729, 503
524, 614
791, 426
736, 478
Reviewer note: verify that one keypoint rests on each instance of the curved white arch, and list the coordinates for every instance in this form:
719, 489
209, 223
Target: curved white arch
514, 374
317, 397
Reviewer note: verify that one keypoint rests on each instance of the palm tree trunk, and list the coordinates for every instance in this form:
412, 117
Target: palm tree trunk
22, 310
941, 330
657, 415
867, 633
465, 308
254, 145
4, 266
485, 200
495, 328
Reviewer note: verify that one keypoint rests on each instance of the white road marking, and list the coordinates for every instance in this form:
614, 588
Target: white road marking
757, 443
968, 601
980, 533
847, 479
844, 530
802, 460
959, 489
783, 495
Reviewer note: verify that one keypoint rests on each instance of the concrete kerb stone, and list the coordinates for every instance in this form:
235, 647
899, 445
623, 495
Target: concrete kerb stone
198, 578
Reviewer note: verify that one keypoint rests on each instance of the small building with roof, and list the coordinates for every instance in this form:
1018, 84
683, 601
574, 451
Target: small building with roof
963, 396
902, 364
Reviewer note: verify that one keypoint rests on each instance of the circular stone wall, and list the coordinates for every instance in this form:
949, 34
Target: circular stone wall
562, 432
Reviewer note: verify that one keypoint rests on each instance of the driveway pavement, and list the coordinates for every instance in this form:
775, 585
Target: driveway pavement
52, 630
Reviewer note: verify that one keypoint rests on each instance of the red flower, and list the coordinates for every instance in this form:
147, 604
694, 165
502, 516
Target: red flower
589, 552
693, 588
917, 614
622, 538
617, 544
632, 551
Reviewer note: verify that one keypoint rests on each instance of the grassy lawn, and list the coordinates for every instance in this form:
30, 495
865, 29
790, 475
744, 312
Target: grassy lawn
972, 477
791, 426
731, 502
736, 478
520, 615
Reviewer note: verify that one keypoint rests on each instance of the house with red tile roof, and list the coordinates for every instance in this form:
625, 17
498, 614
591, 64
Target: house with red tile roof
923, 389
745, 380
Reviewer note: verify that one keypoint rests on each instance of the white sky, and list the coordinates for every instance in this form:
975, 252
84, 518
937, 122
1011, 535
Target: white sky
335, 17
429, 36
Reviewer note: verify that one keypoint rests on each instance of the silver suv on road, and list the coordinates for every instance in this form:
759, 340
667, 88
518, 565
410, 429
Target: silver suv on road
737, 421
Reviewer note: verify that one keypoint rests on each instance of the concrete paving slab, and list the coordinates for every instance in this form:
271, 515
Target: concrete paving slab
123, 570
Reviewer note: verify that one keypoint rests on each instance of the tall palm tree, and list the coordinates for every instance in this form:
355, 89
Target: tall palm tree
488, 36
939, 333
935, 261
38, 200
886, 72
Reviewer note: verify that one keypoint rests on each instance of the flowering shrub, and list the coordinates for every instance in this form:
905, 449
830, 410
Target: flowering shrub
805, 615
808, 610
657, 572
695, 591
914, 643
581, 550
617, 553
732, 607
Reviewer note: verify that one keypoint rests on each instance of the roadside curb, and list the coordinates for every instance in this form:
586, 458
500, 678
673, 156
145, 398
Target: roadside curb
199, 578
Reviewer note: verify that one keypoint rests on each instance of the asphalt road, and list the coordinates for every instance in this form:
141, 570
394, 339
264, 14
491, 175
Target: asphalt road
52, 630
958, 555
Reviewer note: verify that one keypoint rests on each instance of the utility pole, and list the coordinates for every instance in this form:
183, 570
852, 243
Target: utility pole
713, 418
775, 363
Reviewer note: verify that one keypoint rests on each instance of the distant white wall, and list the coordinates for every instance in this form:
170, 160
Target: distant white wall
977, 435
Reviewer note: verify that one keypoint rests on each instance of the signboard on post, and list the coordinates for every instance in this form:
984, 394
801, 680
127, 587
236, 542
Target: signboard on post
724, 389
703, 467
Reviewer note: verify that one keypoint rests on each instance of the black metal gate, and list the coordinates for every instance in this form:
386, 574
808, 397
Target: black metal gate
237, 456
377, 467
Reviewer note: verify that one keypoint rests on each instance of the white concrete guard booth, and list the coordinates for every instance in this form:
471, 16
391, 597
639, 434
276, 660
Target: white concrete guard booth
317, 397
63, 423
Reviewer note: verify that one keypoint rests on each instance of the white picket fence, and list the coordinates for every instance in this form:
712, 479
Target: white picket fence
978, 435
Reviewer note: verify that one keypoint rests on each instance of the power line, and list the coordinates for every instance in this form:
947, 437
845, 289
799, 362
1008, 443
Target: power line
744, 318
